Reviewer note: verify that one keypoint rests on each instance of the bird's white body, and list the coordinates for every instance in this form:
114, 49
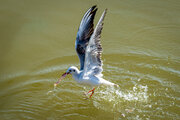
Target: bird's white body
91, 80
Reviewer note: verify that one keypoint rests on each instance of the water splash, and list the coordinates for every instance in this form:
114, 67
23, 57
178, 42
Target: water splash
52, 92
117, 100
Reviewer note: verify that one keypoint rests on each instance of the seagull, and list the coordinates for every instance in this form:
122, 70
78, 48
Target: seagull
89, 49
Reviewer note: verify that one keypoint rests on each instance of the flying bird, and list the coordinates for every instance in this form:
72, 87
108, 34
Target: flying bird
89, 49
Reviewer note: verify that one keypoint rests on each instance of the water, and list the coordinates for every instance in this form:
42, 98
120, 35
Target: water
141, 50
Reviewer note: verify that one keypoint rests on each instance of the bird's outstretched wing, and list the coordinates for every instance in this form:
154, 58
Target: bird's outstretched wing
93, 62
84, 33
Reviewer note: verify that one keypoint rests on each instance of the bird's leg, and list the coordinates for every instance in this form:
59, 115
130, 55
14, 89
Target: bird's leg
88, 93
92, 92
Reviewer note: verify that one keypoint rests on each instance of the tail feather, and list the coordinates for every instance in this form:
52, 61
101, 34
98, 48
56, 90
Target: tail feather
105, 82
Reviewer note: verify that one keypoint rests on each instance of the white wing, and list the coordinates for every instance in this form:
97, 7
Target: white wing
93, 62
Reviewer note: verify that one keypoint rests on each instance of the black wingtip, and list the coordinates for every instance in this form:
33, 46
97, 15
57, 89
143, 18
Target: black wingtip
94, 9
94, 6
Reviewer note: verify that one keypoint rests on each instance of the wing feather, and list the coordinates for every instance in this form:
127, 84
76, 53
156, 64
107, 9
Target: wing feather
84, 33
93, 63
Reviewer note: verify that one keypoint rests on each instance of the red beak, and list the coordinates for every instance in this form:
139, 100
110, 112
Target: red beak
63, 76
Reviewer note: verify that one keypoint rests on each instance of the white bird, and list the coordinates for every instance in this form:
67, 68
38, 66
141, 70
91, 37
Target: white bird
89, 49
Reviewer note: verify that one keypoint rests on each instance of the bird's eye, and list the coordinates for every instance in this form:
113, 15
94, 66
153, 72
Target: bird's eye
73, 70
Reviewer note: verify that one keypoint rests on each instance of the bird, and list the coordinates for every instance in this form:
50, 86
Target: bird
89, 49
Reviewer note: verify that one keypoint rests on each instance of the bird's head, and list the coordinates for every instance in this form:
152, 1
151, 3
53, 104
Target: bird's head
71, 70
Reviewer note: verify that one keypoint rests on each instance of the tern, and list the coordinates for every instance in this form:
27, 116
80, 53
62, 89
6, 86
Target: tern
89, 49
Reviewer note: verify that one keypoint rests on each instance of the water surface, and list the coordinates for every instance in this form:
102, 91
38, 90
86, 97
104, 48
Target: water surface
141, 53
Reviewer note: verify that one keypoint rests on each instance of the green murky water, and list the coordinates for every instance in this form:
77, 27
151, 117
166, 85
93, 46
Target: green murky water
141, 43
